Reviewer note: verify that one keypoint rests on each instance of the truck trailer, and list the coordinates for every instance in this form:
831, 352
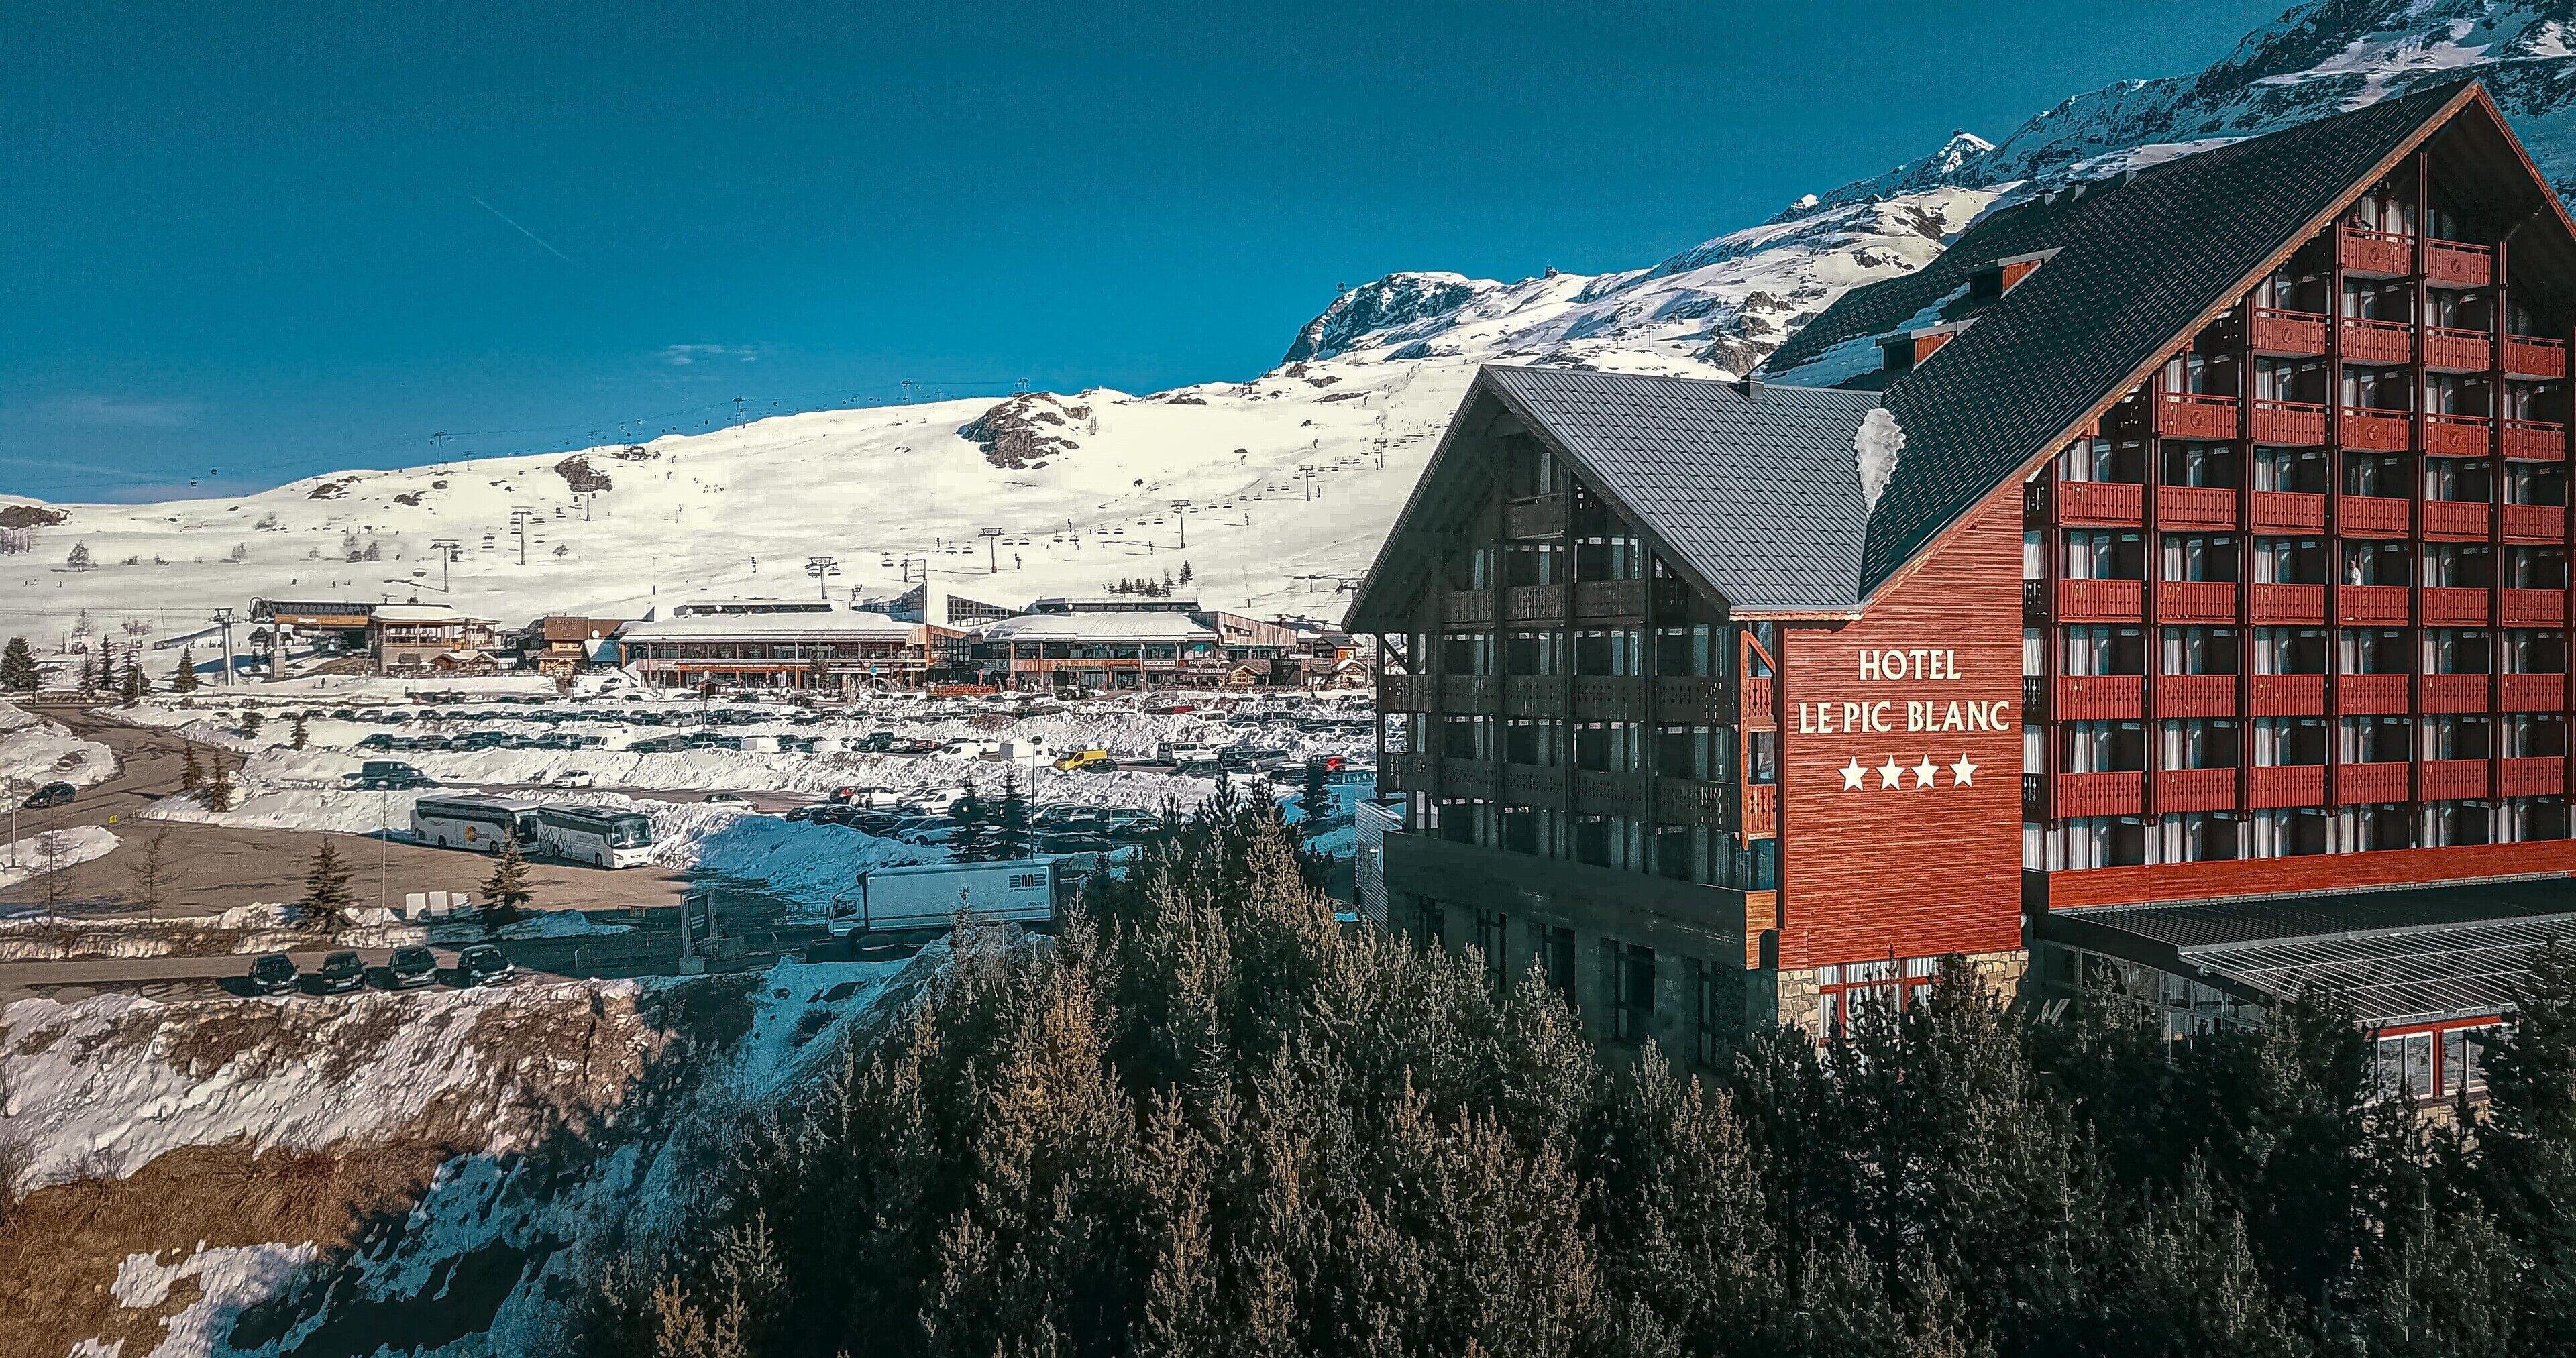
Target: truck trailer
927, 897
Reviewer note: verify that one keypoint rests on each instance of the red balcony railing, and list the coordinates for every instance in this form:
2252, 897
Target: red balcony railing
2449, 349
2298, 333
2196, 790
2289, 695
2375, 515
2535, 608
2371, 606
2195, 695
2456, 264
2098, 697
2099, 794
2454, 692
2535, 523
2377, 431
2458, 435
2100, 600
2544, 777
1757, 710
2531, 356
2532, 692
2186, 507
2358, 784
2452, 606
2380, 342
2295, 424
2117, 503
2535, 440
2196, 601
2288, 605
2280, 511
2285, 785
2383, 253
2195, 415
2456, 520
2447, 780
2371, 695
1761, 810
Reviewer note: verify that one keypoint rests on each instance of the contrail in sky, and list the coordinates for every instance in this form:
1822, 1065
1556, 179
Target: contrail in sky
487, 207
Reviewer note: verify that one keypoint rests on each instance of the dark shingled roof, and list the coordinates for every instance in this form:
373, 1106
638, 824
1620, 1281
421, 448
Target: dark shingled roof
2137, 263
1754, 487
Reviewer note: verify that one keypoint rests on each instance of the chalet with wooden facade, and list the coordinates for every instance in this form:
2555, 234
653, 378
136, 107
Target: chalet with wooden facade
2169, 582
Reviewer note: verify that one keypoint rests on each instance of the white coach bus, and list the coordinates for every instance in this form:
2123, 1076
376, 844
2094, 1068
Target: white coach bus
598, 835
482, 824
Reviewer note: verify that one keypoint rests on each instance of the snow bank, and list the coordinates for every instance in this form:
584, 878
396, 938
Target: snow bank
35, 751
71, 845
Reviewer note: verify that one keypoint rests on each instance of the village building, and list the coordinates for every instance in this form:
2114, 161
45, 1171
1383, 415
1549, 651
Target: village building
1092, 649
2167, 587
775, 643
325, 624
429, 638
566, 644
933, 602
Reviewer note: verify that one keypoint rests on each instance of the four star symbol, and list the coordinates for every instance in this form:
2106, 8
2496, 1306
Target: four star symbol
1852, 774
1891, 774
1962, 771
1923, 772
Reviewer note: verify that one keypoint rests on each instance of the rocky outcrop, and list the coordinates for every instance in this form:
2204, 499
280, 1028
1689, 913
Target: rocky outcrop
32, 516
1398, 301
1026, 430
583, 478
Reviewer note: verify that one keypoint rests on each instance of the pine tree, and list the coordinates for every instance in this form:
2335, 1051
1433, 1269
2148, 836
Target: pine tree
327, 898
250, 724
134, 685
296, 734
1318, 799
1011, 819
105, 676
18, 671
192, 775
184, 678
1185, 572
506, 892
218, 792
87, 682
79, 559
973, 842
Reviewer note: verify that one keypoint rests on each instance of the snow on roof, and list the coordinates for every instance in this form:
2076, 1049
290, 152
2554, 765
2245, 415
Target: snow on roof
839, 620
1097, 627
422, 613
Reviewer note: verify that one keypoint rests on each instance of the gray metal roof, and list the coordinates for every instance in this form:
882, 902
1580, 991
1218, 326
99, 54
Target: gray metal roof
1754, 486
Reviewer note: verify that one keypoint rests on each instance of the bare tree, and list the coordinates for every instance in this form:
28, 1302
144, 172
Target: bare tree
53, 865
150, 868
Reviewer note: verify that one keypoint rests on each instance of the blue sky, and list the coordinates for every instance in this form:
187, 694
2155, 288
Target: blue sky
242, 244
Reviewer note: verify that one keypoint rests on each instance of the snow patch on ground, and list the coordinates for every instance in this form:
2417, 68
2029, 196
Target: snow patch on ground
229, 1280
69, 846
35, 751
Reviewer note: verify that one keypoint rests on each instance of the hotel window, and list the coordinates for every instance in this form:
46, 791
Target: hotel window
2289, 561
2406, 1066
2099, 649
2535, 568
1556, 955
2535, 735
1628, 981
2201, 557
1467, 653
1610, 842
1700, 650
2534, 483
2376, 740
2459, 565
2099, 555
2463, 1051
2200, 743
1489, 943
1611, 651
2101, 747
1467, 737
2200, 650
1606, 746
2297, 471
2288, 833
2458, 478
2458, 650
1534, 564
2375, 474
2381, 650
1536, 741
2289, 650
1534, 653
2289, 740
2527, 651
2034, 652
1710, 1014
1433, 925
2190, 463
1609, 557
1845, 991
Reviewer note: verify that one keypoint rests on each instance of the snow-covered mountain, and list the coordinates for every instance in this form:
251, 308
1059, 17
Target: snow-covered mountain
1293, 477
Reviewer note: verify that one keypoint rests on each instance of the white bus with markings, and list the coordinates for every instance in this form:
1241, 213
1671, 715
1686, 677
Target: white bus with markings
482, 824
602, 836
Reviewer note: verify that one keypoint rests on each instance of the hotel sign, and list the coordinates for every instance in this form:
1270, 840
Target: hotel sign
1935, 714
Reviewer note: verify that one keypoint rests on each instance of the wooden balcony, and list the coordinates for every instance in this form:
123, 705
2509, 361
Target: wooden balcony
1468, 608
1534, 516
1533, 785
1603, 697
2279, 511
2288, 605
2285, 785
2099, 794
2101, 600
1533, 695
2452, 606
2098, 697
2194, 415
2457, 264
2456, 520
2196, 789
1404, 693
2453, 350
1609, 599
2372, 784
2289, 695
2294, 334
2380, 254
2384, 343
2117, 504
1467, 778
2535, 523
2448, 780
2196, 601
1761, 816
2372, 695
2534, 608
2371, 606
2377, 431
1609, 794
1755, 711
2196, 507
1684, 801
2195, 695
1534, 603
2453, 692
1407, 773
2532, 692
1689, 700
2458, 435
2290, 424
2540, 777
2535, 441
1470, 692
2532, 356
2378, 516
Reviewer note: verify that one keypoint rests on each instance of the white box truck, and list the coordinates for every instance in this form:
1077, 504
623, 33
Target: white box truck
888, 900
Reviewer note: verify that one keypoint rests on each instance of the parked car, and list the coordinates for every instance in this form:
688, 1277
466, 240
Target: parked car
727, 798
391, 773
574, 778
1084, 759
51, 794
273, 974
376, 742
412, 966
340, 973
483, 964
